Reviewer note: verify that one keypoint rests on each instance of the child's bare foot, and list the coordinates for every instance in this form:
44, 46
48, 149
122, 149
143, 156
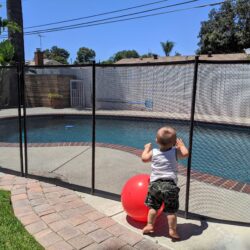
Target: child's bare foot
173, 234
149, 228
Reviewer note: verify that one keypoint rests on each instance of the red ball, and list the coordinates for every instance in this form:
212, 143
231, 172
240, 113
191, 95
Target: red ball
133, 197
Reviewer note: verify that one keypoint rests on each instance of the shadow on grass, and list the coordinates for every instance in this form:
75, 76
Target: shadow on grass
185, 230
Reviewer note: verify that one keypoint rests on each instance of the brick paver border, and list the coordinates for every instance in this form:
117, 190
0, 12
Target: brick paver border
196, 175
59, 219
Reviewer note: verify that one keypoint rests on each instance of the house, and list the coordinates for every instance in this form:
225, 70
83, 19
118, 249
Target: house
209, 57
40, 60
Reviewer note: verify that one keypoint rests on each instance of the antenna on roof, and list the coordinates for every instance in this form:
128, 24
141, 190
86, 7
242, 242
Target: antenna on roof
40, 36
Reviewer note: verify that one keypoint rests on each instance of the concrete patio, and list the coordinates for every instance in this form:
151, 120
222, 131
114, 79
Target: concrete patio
113, 167
72, 164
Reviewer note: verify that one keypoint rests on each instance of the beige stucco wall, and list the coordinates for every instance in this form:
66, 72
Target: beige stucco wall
39, 86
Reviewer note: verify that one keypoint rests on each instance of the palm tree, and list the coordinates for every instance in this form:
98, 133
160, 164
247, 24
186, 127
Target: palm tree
167, 47
14, 14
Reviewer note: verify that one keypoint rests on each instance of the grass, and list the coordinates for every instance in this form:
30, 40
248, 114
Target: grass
13, 235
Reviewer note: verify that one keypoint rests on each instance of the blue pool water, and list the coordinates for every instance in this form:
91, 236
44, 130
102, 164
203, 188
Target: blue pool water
218, 150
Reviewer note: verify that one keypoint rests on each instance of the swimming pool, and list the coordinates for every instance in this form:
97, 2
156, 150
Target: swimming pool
218, 150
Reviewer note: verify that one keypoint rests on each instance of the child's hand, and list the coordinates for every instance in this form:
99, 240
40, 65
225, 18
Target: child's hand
179, 143
182, 151
147, 153
148, 146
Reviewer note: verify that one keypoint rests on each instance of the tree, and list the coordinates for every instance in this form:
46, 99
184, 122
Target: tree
6, 52
57, 54
14, 15
148, 55
243, 24
227, 29
5, 23
6, 56
167, 47
84, 55
125, 54
109, 61
6, 48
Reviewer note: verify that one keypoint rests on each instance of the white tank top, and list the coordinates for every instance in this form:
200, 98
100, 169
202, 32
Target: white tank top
164, 165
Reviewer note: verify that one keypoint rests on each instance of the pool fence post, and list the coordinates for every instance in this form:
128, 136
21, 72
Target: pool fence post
22, 78
20, 118
93, 128
191, 133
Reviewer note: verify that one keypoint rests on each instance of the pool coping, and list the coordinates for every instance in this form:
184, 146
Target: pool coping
136, 114
196, 175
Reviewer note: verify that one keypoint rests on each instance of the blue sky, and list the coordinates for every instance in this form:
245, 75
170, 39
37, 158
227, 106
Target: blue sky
143, 35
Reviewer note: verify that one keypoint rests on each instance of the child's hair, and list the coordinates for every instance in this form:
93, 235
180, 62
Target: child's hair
166, 136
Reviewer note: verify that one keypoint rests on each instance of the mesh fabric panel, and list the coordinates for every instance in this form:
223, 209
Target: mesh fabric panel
220, 163
9, 123
133, 102
58, 129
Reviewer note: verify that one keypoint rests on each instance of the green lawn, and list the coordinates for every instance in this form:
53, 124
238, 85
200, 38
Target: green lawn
13, 235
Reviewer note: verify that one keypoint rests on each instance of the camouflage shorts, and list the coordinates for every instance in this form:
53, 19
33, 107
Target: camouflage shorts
163, 191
